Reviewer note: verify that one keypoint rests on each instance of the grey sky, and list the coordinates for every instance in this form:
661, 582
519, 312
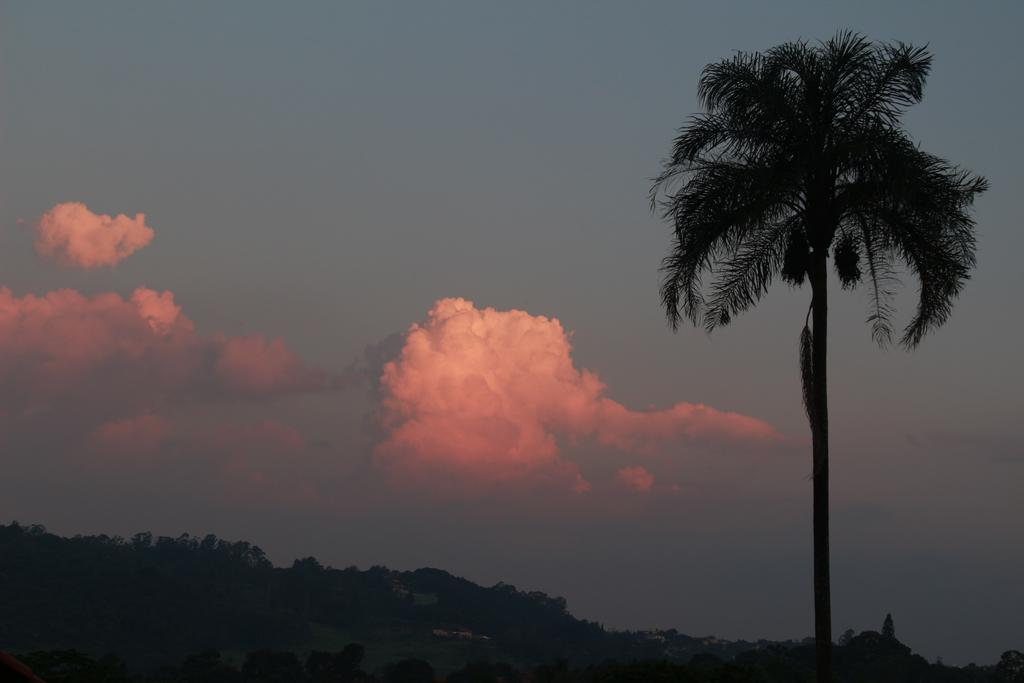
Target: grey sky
324, 171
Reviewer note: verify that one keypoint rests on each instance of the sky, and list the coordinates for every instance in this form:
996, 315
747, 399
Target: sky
377, 282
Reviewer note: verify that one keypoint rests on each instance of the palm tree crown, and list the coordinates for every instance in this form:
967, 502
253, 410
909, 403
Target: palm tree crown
801, 152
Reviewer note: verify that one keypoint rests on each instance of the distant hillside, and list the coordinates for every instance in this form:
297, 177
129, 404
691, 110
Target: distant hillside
154, 601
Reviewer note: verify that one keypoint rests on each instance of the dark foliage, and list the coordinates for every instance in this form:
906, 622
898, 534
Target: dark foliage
266, 666
868, 658
205, 667
336, 667
58, 572
409, 671
151, 600
888, 629
485, 672
801, 150
1011, 667
71, 666
154, 601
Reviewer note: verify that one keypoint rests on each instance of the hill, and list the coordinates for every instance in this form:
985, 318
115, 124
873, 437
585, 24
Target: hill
153, 601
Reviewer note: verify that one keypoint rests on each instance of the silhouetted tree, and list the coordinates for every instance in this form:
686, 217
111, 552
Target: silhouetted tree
484, 672
208, 667
335, 667
557, 670
705, 660
1011, 667
205, 667
265, 666
410, 671
847, 636
71, 666
888, 629
800, 153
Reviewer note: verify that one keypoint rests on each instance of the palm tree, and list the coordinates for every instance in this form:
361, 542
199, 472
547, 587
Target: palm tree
799, 154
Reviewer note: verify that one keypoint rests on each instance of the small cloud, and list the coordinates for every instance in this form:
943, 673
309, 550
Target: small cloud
73, 236
636, 478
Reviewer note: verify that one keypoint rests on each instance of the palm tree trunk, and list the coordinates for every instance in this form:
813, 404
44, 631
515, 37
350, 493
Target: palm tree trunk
819, 437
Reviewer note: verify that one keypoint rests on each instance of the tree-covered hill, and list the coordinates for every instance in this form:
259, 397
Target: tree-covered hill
199, 610
156, 600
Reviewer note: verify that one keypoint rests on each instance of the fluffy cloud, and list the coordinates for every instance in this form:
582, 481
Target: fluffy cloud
104, 381
79, 353
635, 478
480, 398
100, 382
74, 236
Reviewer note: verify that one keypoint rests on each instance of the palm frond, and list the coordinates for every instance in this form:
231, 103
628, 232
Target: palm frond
892, 80
882, 278
799, 152
714, 212
747, 272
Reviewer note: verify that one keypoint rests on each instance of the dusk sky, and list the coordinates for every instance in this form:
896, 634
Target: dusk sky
378, 282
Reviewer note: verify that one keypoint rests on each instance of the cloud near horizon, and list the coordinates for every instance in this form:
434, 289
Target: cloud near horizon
105, 353
105, 382
73, 236
109, 386
480, 398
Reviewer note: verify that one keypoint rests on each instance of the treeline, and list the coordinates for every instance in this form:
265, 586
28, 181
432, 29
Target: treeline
868, 658
155, 600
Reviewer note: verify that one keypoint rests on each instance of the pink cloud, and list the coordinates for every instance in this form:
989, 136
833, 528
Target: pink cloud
481, 398
257, 365
636, 478
129, 382
74, 236
159, 310
132, 436
135, 354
